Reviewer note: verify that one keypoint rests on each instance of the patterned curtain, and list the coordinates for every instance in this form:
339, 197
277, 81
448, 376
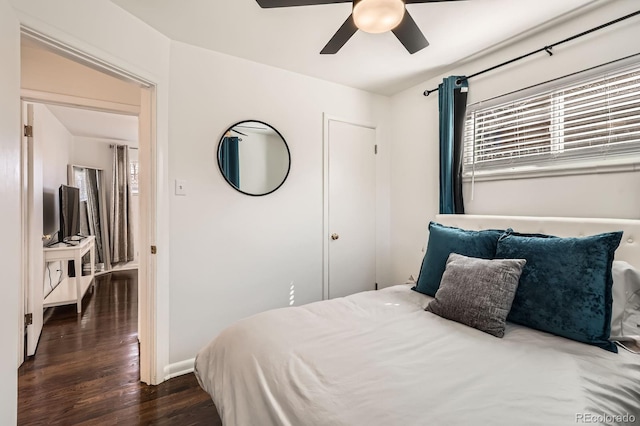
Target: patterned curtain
120, 229
92, 181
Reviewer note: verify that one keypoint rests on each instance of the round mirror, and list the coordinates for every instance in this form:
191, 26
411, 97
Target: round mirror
254, 157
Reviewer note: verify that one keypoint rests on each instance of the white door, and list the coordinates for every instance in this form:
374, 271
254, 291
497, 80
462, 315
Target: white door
35, 254
351, 209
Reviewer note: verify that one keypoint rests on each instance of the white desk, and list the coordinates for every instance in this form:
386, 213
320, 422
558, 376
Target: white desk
71, 290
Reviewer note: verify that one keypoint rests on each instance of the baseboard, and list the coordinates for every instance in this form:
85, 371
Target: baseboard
128, 267
179, 368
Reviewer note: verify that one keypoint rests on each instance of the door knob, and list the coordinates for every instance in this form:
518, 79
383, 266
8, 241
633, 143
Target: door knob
335, 236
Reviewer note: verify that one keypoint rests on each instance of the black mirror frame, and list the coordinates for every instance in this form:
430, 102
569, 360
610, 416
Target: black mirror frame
286, 145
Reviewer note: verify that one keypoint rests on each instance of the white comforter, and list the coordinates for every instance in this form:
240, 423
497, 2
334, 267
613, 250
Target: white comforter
377, 358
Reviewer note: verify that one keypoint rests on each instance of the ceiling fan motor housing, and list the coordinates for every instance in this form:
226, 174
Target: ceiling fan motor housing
377, 16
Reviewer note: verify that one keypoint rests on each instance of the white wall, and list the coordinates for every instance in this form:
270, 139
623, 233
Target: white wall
56, 142
252, 161
46, 71
9, 210
233, 255
415, 153
588, 195
94, 153
277, 161
262, 159
56, 152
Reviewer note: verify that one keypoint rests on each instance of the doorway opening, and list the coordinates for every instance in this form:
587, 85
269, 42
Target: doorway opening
63, 83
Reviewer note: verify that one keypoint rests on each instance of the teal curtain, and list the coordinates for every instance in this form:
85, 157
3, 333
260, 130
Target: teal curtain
452, 98
229, 160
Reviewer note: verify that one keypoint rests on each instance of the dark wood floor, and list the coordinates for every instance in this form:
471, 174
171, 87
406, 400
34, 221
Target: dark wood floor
85, 370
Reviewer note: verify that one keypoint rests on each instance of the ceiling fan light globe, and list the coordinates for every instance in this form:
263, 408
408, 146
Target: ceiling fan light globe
378, 16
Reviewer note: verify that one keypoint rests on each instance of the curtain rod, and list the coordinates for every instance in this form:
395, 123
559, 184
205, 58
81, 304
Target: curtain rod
130, 147
547, 49
595, 67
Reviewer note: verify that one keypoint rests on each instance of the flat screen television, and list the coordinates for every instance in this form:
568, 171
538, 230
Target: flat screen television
69, 212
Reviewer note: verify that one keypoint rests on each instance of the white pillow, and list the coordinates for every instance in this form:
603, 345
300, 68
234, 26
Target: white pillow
625, 315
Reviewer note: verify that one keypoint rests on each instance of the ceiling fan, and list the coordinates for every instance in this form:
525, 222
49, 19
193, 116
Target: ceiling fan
373, 16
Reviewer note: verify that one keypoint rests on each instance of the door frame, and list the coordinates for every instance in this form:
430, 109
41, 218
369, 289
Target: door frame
327, 118
24, 236
32, 245
151, 349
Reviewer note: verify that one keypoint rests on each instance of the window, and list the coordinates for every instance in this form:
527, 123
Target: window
595, 119
134, 173
81, 182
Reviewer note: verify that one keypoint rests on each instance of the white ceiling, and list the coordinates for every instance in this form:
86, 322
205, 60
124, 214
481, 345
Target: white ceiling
291, 38
96, 124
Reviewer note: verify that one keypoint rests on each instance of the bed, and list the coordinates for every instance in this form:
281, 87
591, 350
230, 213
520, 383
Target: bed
377, 358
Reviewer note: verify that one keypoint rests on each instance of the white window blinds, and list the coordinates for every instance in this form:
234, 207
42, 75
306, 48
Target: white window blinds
594, 119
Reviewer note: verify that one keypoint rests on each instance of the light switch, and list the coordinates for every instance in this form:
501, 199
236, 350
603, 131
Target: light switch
181, 187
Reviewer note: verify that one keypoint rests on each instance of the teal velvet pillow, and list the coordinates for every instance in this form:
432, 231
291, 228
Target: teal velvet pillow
565, 286
444, 240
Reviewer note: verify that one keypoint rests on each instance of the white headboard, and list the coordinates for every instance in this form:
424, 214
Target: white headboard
629, 249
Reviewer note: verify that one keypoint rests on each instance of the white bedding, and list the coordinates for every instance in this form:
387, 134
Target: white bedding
377, 358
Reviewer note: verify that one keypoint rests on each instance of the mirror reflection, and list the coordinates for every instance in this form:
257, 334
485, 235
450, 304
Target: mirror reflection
254, 157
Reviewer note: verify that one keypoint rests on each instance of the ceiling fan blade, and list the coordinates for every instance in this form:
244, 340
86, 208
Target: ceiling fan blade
267, 4
428, 1
410, 35
346, 31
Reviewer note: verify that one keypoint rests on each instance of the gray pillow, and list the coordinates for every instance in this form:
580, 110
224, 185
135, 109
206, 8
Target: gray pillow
478, 292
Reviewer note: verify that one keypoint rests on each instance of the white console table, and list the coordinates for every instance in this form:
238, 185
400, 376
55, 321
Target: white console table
71, 290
